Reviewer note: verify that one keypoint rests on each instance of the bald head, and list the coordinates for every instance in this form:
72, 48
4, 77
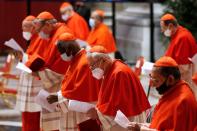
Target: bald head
27, 24
28, 27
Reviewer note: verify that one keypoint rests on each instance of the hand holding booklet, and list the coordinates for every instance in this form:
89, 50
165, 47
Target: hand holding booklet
124, 122
79, 106
121, 119
41, 99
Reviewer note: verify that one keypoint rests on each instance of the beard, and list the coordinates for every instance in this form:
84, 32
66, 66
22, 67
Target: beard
163, 88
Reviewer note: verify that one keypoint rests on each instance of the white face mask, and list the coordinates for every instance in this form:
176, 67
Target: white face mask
43, 35
98, 73
167, 33
65, 17
92, 22
27, 35
65, 57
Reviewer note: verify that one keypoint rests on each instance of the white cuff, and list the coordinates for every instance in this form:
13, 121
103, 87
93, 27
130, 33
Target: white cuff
107, 121
145, 128
63, 102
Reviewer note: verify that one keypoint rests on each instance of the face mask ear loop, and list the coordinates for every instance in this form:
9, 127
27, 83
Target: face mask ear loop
104, 68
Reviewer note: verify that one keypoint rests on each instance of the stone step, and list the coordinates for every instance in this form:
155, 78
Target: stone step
9, 113
11, 123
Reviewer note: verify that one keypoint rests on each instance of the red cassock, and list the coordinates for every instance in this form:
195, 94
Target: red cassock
176, 110
31, 120
33, 44
47, 49
51, 54
121, 90
78, 83
44, 53
102, 36
35, 60
78, 26
37, 46
182, 46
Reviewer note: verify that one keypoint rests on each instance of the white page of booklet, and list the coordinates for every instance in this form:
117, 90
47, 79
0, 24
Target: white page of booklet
14, 45
121, 119
79, 106
41, 99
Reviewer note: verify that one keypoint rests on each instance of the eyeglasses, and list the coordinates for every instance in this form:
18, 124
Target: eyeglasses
41, 22
95, 64
153, 79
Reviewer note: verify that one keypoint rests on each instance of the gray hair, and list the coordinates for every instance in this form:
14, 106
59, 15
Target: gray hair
98, 56
50, 21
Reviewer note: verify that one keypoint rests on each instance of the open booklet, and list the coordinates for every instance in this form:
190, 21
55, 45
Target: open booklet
14, 45
41, 99
79, 106
123, 121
